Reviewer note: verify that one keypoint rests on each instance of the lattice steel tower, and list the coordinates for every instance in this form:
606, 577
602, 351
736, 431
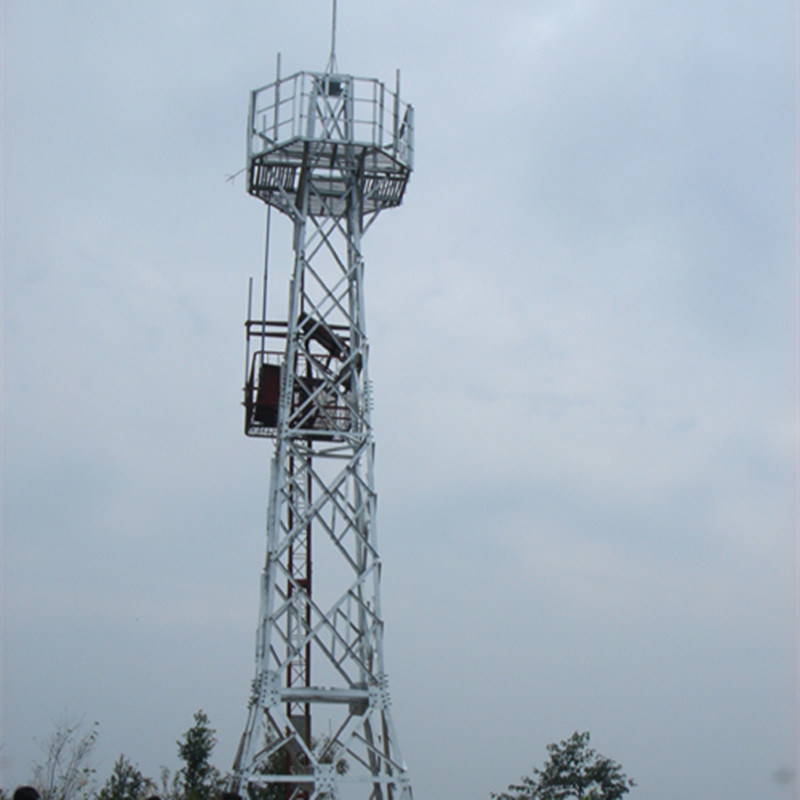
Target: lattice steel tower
330, 151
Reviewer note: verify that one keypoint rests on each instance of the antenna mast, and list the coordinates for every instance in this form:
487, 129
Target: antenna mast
331, 68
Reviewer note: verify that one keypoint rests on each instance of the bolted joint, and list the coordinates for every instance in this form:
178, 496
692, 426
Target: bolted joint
379, 694
325, 779
270, 689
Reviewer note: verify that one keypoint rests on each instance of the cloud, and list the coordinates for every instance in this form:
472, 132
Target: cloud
582, 340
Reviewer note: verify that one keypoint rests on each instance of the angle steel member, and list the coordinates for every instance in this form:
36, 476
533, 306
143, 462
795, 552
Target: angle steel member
330, 151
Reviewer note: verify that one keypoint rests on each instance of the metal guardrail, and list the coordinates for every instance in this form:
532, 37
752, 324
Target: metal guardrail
335, 108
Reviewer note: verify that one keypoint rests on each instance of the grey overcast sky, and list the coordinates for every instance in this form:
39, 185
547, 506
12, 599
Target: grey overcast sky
582, 326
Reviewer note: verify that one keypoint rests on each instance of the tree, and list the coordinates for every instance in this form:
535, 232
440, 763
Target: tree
198, 779
573, 770
126, 782
169, 785
66, 773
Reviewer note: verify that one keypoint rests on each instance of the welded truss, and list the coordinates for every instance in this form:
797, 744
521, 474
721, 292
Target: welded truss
330, 151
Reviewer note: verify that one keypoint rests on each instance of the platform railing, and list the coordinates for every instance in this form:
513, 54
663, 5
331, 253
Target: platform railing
375, 116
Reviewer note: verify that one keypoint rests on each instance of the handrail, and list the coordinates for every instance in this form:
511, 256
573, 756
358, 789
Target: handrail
360, 111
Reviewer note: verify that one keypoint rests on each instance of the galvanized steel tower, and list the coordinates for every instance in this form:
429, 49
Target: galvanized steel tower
330, 151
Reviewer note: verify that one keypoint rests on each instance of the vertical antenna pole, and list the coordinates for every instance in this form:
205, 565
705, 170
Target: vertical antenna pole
264, 285
332, 60
269, 223
277, 98
396, 121
247, 329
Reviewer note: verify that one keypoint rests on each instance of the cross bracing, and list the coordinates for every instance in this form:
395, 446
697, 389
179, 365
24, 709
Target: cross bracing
329, 151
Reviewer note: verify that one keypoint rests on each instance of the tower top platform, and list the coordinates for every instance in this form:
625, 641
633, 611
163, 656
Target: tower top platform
340, 127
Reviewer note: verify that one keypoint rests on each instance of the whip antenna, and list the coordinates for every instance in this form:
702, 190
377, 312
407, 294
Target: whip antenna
331, 68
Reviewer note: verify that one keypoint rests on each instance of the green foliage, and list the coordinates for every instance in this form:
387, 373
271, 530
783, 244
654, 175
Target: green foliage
168, 785
198, 779
66, 772
126, 782
573, 770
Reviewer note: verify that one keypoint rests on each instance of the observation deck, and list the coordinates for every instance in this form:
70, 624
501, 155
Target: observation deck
342, 128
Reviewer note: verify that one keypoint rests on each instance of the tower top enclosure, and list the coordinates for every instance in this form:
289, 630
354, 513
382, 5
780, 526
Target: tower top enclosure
339, 123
